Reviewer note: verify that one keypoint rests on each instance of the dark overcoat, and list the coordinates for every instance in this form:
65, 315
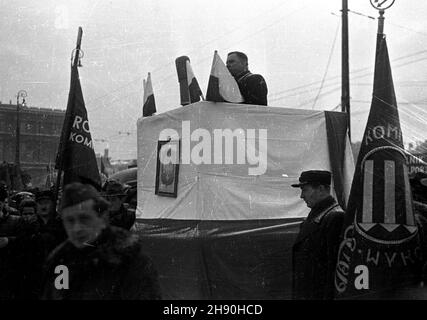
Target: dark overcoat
315, 252
112, 268
253, 88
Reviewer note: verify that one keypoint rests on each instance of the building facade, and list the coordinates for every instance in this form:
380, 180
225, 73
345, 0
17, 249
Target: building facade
40, 130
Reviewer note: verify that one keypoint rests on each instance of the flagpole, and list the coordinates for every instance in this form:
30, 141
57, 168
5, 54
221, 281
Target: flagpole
381, 22
75, 64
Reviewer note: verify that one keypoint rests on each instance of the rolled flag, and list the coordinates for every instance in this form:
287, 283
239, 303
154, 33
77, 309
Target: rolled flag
149, 106
222, 86
189, 87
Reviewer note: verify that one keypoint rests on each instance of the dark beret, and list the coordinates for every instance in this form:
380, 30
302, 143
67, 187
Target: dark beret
76, 192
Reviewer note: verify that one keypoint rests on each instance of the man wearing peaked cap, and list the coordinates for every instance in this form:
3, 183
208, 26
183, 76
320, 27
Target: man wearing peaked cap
314, 177
315, 249
119, 215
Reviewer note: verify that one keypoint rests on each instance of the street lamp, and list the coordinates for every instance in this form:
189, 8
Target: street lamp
21, 94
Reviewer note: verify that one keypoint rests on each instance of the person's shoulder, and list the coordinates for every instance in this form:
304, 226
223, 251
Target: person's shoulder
12, 211
13, 218
123, 240
334, 213
252, 77
14, 221
128, 247
58, 252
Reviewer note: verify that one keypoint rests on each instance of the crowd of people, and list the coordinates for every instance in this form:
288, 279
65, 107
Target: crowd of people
35, 237
92, 237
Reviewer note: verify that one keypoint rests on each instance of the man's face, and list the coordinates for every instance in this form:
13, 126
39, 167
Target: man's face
235, 65
115, 202
44, 207
82, 223
311, 195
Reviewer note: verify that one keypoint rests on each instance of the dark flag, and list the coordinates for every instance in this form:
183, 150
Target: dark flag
379, 255
189, 87
76, 156
222, 87
149, 104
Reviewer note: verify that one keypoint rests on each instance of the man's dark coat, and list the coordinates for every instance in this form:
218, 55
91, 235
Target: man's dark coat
113, 268
315, 251
253, 88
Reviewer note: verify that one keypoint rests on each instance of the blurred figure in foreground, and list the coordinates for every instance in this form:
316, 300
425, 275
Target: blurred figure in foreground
104, 262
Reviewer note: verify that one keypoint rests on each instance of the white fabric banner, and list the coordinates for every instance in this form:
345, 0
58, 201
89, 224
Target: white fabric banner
270, 149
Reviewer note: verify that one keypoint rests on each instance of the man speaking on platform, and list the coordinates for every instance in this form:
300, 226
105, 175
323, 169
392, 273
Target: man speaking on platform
252, 86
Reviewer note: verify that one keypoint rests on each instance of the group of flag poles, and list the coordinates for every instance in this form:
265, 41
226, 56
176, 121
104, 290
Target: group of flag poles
379, 231
222, 87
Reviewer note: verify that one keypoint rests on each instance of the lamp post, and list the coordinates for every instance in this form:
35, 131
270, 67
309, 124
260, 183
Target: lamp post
21, 94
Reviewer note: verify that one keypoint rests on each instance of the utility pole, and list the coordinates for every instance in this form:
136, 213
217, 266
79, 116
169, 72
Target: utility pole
345, 78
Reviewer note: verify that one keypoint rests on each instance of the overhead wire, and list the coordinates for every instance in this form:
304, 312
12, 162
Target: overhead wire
327, 64
338, 83
195, 62
298, 91
195, 50
277, 96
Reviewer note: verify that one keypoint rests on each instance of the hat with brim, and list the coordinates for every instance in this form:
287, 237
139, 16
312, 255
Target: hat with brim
45, 195
114, 188
313, 177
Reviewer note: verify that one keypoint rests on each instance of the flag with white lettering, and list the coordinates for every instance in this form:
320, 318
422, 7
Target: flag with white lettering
222, 87
76, 155
379, 253
149, 104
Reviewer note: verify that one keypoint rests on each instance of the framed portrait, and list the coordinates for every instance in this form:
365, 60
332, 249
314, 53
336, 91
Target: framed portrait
167, 171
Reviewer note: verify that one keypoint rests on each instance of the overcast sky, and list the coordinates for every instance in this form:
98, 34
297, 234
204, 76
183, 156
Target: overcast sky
294, 44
